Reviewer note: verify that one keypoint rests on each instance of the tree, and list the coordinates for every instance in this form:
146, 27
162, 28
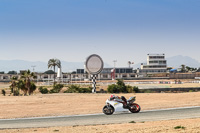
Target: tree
190, 69
21, 86
169, 68
121, 85
12, 72
113, 88
13, 86
32, 87
3, 92
2, 72
28, 76
53, 63
182, 68
117, 88
49, 72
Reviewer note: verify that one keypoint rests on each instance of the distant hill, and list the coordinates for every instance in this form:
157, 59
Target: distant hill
17, 65
176, 62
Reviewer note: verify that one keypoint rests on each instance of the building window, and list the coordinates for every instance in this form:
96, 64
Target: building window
64, 76
5, 77
105, 76
122, 71
124, 75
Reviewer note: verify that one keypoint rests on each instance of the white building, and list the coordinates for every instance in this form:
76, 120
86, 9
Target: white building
156, 63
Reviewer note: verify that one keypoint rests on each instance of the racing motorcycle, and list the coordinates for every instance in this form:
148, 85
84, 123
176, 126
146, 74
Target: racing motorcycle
117, 104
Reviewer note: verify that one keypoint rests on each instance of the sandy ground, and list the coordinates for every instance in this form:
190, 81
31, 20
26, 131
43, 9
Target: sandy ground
186, 126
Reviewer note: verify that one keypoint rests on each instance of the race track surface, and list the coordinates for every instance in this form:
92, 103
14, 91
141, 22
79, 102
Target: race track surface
94, 119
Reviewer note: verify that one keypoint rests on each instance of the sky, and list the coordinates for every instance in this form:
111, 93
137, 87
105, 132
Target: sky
122, 30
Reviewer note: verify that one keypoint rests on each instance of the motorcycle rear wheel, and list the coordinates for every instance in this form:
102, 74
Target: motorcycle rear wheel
134, 108
108, 110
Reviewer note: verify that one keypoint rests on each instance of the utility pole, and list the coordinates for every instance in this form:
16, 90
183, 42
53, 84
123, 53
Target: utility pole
129, 64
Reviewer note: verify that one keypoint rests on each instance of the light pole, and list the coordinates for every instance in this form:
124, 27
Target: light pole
114, 63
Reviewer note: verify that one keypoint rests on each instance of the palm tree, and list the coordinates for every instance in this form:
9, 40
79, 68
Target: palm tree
53, 63
21, 86
27, 76
182, 68
13, 85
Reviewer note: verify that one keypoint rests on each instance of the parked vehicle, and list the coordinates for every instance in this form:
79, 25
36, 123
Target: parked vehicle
116, 104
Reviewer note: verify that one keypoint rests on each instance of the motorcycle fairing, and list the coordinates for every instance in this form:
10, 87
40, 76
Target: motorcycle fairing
117, 106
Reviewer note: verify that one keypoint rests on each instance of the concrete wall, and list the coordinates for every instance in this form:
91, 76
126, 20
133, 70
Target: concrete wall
184, 75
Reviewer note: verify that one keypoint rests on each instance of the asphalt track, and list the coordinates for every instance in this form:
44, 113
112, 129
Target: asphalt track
94, 119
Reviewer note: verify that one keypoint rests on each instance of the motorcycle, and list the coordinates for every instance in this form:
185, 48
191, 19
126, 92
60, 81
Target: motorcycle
121, 105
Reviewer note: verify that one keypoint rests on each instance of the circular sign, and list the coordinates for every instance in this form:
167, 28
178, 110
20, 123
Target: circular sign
94, 64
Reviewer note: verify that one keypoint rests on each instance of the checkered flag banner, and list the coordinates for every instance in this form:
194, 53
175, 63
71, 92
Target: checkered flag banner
94, 77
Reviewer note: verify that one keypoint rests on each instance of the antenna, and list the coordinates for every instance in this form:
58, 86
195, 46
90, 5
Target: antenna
129, 63
33, 68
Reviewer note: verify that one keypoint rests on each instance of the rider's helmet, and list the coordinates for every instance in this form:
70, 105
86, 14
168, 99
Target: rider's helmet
112, 97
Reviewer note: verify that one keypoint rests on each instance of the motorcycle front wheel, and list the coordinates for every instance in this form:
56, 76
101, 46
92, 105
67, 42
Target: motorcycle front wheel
108, 110
134, 108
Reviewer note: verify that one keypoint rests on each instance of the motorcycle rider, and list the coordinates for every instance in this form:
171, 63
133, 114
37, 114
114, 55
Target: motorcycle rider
124, 101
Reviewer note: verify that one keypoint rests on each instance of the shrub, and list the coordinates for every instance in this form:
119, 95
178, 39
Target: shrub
133, 89
129, 89
56, 88
3, 92
179, 127
102, 91
16, 92
136, 89
21, 86
85, 90
148, 91
43, 90
122, 87
72, 89
113, 88
77, 89
132, 122
119, 87
12, 90
33, 87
